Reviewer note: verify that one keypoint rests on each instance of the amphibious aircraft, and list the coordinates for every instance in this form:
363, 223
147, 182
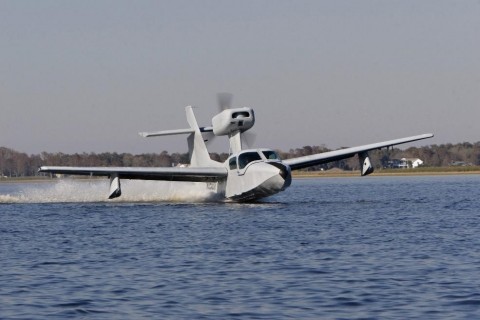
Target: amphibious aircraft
247, 174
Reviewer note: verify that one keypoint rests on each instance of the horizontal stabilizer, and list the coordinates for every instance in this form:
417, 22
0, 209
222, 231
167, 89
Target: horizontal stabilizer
166, 132
173, 132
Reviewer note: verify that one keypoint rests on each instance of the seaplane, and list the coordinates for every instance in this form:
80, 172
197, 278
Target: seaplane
247, 175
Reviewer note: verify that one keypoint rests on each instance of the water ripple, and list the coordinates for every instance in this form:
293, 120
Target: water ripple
374, 248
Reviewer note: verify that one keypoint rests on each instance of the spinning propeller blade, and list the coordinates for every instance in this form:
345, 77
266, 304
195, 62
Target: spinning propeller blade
224, 100
208, 137
248, 139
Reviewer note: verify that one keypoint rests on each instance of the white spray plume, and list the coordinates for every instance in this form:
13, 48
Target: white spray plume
97, 191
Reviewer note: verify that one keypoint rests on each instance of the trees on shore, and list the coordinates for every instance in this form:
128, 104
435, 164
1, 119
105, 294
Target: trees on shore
18, 164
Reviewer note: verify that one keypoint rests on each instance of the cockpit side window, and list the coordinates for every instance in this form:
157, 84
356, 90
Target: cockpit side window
232, 163
271, 155
246, 158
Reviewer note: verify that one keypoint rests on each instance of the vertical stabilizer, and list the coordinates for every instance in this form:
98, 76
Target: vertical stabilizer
197, 149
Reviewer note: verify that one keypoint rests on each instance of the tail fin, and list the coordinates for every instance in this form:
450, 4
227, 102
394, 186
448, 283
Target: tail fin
197, 149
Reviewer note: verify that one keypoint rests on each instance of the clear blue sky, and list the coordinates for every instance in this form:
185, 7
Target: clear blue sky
88, 75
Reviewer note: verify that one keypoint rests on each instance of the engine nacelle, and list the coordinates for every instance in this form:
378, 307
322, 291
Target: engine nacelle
231, 120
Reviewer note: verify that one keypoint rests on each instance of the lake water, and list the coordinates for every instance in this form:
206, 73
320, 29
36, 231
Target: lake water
349, 248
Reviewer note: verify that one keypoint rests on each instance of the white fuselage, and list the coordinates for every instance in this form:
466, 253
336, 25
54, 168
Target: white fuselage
254, 174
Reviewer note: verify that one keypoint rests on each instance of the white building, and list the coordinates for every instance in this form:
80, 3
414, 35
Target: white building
415, 162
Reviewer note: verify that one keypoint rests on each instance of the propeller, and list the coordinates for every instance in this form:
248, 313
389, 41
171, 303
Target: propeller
208, 137
248, 139
224, 100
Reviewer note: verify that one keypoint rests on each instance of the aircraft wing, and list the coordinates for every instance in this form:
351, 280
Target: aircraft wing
325, 157
195, 174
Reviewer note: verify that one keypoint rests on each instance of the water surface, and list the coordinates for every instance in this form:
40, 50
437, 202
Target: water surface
355, 248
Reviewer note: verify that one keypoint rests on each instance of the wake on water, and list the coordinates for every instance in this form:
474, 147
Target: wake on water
97, 191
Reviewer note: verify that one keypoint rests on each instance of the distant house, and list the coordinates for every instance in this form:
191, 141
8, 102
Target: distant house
404, 163
394, 164
460, 164
412, 162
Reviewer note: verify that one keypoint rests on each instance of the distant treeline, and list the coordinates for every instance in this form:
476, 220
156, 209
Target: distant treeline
18, 164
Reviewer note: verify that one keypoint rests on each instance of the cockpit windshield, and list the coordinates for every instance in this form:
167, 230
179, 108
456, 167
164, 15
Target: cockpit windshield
246, 158
271, 155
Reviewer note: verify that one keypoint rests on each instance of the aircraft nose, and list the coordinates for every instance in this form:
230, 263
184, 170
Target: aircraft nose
284, 170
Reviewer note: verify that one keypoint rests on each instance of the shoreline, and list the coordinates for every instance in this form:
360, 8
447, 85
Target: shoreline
386, 173
334, 173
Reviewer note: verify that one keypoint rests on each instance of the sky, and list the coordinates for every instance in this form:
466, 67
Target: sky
87, 76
